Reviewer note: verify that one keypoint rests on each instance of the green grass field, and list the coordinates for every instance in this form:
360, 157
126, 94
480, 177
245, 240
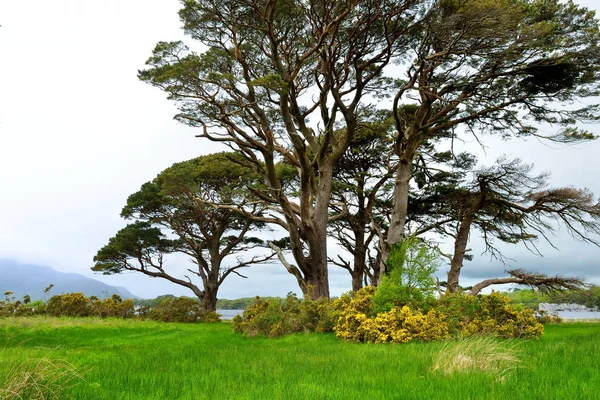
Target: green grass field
128, 359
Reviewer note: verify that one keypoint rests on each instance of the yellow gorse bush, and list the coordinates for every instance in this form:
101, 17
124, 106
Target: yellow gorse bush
458, 315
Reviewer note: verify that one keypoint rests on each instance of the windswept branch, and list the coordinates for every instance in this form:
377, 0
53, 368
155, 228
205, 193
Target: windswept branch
541, 282
292, 269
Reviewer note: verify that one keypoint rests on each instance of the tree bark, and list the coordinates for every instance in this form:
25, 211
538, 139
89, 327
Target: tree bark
398, 215
209, 299
460, 247
542, 282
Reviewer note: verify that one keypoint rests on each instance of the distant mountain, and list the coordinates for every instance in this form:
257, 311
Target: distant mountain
22, 279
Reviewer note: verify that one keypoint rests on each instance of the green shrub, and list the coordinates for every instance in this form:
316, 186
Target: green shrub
112, 307
181, 309
77, 305
273, 318
543, 317
491, 314
409, 280
10, 307
70, 305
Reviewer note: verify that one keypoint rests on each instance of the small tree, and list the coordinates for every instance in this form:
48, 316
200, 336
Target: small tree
411, 265
178, 203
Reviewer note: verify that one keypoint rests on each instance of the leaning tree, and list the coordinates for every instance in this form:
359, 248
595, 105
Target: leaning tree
500, 67
172, 214
509, 203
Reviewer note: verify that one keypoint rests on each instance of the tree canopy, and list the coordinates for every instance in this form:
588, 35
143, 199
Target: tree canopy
295, 87
172, 214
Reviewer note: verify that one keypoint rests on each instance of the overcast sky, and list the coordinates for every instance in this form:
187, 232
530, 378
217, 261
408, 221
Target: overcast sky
79, 133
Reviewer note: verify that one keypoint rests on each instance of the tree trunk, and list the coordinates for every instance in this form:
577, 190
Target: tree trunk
358, 271
460, 246
360, 251
375, 279
398, 215
357, 280
209, 299
315, 265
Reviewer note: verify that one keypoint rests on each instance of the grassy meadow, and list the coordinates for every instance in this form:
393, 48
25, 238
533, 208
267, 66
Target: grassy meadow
130, 359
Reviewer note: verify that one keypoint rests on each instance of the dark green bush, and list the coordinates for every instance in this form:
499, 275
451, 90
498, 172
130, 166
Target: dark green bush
77, 305
181, 309
112, 307
70, 305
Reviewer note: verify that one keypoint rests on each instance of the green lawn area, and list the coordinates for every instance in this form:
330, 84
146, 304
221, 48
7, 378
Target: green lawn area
130, 359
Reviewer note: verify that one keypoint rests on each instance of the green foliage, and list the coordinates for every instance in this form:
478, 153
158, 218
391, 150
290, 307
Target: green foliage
150, 303
241, 303
130, 242
546, 318
78, 305
112, 307
491, 314
275, 317
589, 298
70, 305
181, 309
531, 299
410, 265
178, 212
10, 307
528, 298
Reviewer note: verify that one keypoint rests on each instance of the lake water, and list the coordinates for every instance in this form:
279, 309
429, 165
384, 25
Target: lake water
578, 314
229, 314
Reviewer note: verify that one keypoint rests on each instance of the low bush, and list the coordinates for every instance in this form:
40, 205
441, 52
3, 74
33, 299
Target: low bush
78, 305
360, 323
113, 306
492, 314
70, 305
273, 317
181, 309
543, 317
10, 307
451, 315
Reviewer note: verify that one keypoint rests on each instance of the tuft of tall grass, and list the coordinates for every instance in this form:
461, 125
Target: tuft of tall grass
478, 355
41, 378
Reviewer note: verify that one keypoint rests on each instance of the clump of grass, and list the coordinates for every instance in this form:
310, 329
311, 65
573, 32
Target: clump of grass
478, 355
37, 379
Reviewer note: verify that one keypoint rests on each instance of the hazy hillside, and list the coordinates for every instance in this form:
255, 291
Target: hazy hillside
30, 279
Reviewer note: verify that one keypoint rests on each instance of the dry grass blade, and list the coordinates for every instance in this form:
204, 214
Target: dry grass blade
478, 355
37, 379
